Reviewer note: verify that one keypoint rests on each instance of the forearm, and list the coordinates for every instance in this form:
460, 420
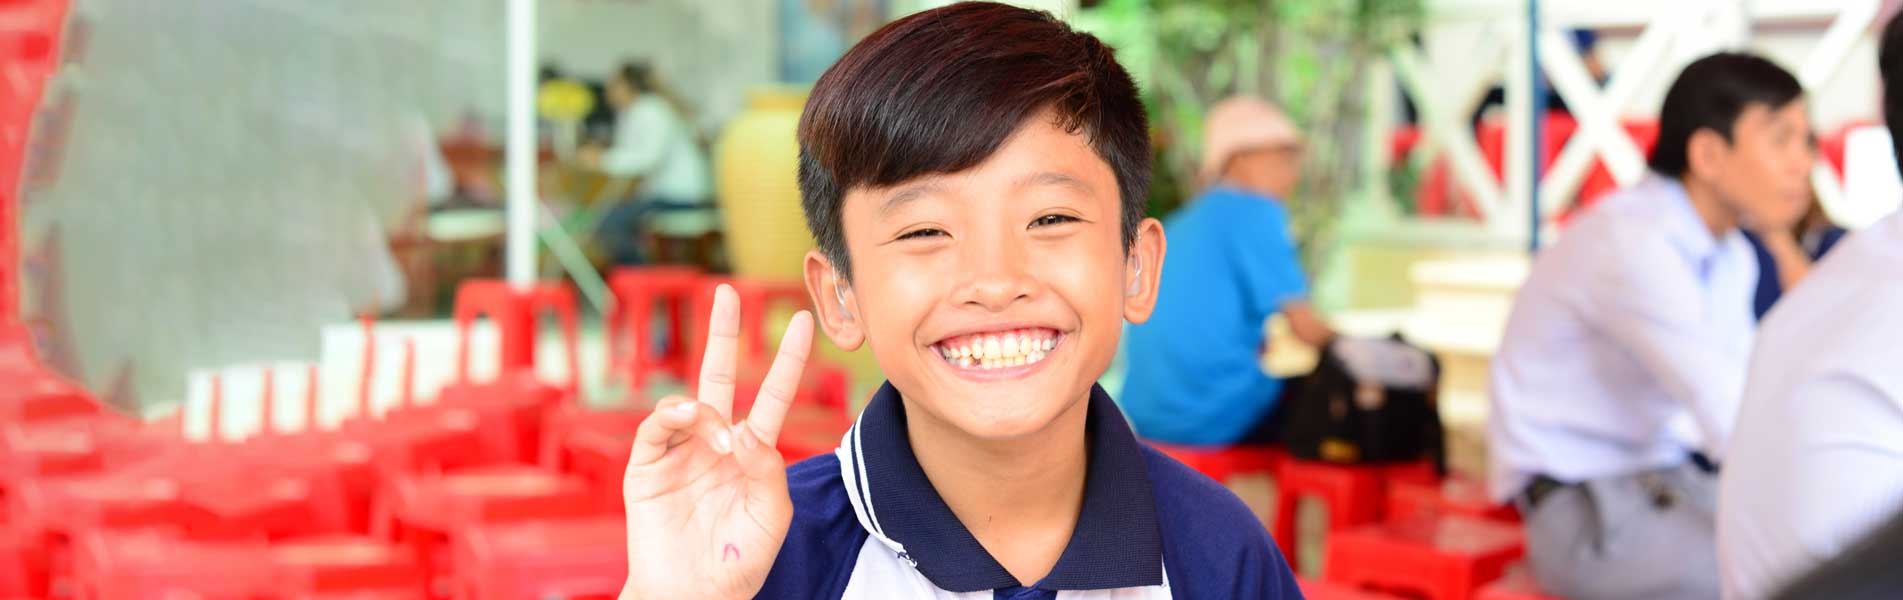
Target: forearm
1307, 325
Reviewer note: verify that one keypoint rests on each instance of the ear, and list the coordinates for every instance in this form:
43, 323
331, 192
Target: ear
833, 303
1142, 271
1705, 152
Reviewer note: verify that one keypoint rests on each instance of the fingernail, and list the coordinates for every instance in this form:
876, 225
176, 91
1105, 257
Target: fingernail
723, 442
684, 408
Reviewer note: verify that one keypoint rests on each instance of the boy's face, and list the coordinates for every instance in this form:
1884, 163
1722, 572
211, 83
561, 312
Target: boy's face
993, 297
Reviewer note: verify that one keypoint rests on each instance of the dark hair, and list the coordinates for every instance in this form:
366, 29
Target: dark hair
939, 91
636, 73
1890, 64
1710, 94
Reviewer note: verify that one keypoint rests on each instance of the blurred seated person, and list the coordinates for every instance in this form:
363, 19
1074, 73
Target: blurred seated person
1786, 255
1817, 462
655, 144
1195, 371
1618, 380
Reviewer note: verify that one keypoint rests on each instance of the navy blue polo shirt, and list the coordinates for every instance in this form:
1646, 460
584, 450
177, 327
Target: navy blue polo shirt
868, 524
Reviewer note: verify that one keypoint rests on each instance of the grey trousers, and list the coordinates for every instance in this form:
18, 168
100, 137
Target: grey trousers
1650, 535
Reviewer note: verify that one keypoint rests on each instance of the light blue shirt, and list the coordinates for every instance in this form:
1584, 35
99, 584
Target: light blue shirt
1194, 370
1627, 346
1817, 460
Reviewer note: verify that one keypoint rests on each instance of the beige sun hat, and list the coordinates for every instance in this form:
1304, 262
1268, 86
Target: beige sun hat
1241, 123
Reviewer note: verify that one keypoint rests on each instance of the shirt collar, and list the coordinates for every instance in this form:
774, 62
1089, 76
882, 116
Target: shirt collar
1687, 229
1116, 543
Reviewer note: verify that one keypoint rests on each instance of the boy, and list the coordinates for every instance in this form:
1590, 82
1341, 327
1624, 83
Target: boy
1625, 352
1195, 369
975, 176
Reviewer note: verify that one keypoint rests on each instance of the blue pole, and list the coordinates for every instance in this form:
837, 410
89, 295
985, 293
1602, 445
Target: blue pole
1539, 119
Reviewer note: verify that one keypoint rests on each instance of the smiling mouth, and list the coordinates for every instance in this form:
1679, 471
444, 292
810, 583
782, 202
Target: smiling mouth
999, 350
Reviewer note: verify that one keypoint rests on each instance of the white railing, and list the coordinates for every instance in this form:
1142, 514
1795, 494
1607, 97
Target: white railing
1447, 87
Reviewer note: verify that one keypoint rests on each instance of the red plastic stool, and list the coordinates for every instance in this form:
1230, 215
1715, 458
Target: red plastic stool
1322, 590
1420, 471
23, 564
510, 411
1453, 496
1352, 494
637, 290
757, 299
1439, 558
148, 565
822, 385
346, 564
42, 398
258, 503
809, 431
425, 512
514, 313
1222, 463
571, 558
438, 440
592, 445
1518, 584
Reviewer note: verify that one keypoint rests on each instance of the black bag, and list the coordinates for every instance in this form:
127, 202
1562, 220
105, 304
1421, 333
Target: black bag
1368, 401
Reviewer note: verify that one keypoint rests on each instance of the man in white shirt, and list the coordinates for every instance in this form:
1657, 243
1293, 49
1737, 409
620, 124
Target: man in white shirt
654, 143
1625, 353
1818, 458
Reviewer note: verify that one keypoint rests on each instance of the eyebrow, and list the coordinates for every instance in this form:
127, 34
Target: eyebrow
910, 193
1053, 178
915, 192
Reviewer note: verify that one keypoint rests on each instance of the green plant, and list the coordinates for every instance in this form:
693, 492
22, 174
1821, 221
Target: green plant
1309, 56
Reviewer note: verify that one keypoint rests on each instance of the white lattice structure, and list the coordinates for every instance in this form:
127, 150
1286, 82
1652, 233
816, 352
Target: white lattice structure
1447, 86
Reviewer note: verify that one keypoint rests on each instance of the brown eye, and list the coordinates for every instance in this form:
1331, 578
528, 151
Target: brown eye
1048, 220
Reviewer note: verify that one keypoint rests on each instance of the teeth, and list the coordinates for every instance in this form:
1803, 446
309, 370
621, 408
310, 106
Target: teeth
995, 351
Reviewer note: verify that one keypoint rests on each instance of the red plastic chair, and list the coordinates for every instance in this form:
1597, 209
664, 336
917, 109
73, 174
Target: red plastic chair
1438, 558
1352, 494
1454, 496
637, 290
1516, 585
571, 558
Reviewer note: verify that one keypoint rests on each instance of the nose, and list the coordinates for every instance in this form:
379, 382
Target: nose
995, 274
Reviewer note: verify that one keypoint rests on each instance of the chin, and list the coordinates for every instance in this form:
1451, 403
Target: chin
1002, 412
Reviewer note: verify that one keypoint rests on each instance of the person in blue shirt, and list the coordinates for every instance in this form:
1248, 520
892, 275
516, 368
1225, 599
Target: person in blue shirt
1785, 256
975, 176
1194, 372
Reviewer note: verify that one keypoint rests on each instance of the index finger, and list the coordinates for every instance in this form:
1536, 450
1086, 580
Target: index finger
717, 363
782, 379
